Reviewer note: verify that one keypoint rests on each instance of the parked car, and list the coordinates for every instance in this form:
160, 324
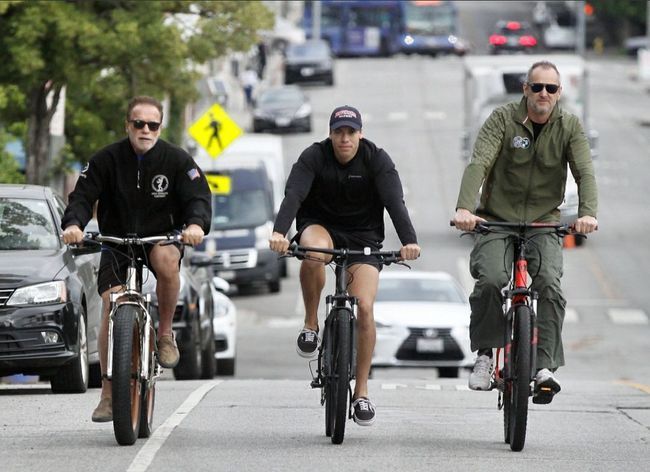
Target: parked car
311, 61
512, 36
422, 321
193, 320
284, 108
225, 327
50, 310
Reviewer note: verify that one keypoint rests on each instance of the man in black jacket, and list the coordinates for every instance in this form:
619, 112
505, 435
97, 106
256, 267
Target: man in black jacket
337, 192
143, 186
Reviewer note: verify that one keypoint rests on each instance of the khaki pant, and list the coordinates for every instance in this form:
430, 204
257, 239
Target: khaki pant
491, 266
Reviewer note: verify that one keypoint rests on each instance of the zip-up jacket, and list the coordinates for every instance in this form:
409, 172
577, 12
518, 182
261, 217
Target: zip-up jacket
524, 176
347, 197
156, 193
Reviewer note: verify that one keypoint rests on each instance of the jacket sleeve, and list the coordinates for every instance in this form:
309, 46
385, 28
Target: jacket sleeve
486, 149
89, 186
297, 188
581, 165
195, 196
389, 188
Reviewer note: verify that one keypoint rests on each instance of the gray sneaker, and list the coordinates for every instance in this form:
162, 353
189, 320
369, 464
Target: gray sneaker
481, 376
546, 386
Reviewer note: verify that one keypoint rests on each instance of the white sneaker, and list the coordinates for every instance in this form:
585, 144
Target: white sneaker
546, 386
481, 376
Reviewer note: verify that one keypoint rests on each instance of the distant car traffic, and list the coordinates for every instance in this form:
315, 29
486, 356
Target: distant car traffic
512, 36
192, 322
422, 320
50, 310
225, 327
284, 108
310, 61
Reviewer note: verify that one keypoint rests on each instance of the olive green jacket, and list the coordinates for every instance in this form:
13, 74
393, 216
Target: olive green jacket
524, 179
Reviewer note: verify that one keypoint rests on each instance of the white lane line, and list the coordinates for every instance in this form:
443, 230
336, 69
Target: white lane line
627, 316
571, 315
430, 387
435, 115
466, 279
398, 116
392, 386
146, 454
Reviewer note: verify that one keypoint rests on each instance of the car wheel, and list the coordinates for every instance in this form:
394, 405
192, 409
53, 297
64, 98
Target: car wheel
274, 286
447, 372
94, 376
208, 361
73, 377
226, 367
189, 365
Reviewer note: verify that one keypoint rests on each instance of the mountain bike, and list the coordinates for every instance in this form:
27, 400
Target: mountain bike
132, 366
516, 370
336, 362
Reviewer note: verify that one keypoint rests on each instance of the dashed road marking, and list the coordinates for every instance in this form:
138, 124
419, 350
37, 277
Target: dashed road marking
571, 315
627, 316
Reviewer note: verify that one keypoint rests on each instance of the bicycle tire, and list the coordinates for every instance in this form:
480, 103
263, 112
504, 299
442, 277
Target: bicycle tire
326, 377
521, 378
126, 384
341, 367
148, 401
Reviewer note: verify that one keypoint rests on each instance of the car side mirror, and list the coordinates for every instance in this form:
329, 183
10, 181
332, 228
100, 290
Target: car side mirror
220, 284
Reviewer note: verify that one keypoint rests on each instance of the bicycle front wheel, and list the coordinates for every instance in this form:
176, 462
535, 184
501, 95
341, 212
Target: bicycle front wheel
341, 370
148, 390
126, 382
520, 378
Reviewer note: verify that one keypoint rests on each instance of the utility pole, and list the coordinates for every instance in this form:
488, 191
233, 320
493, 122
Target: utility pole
315, 19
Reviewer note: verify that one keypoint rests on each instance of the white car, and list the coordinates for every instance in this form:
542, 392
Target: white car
422, 320
224, 326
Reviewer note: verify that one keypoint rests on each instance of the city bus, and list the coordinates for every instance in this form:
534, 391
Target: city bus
385, 27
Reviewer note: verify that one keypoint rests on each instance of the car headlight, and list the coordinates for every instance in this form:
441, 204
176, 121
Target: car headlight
304, 110
262, 235
48, 292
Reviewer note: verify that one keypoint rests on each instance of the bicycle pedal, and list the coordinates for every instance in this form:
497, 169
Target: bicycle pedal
543, 396
316, 384
497, 384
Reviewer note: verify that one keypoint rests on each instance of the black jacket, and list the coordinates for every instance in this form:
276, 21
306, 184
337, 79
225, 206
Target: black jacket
156, 193
350, 197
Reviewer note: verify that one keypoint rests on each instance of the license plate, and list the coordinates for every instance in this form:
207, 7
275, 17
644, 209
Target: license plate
282, 121
226, 274
429, 345
307, 71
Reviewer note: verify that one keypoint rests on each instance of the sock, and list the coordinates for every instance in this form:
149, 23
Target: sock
485, 352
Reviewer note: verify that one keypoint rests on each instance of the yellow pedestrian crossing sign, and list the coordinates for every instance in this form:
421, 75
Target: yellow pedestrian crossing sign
215, 130
219, 184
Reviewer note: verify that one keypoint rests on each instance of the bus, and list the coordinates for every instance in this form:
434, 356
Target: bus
386, 27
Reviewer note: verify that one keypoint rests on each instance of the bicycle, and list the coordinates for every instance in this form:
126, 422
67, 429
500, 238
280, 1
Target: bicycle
336, 362
132, 366
514, 374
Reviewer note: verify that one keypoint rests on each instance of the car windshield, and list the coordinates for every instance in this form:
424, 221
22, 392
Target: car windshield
418, 290
26, 224
280, 96
244, 209
312, 50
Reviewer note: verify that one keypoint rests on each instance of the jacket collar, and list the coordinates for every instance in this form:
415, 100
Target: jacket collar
522, 113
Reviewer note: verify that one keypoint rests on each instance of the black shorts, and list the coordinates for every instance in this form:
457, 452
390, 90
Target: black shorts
114, 262
350, 240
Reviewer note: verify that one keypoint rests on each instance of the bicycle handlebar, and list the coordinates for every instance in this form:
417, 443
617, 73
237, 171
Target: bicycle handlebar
485, 227
135, 240
385, 257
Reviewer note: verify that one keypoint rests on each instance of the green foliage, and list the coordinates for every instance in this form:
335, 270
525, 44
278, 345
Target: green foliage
9, 173
106, 51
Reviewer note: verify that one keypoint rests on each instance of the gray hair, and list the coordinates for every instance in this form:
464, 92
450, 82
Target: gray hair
543, 65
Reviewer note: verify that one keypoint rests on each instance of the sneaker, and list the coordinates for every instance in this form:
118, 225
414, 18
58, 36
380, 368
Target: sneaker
168, 354
481, 376
307, 343
546, 386
104, 411
363, 411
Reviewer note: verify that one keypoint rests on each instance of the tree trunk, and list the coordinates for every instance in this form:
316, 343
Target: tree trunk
38, 132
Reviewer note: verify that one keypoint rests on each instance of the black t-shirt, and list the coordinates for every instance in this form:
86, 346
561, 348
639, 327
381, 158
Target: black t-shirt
347, 197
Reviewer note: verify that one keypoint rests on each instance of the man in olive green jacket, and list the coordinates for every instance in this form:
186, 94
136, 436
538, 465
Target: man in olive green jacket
520, 158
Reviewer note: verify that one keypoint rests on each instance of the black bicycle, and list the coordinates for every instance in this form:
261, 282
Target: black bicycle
336, 362
516, 371
132, 365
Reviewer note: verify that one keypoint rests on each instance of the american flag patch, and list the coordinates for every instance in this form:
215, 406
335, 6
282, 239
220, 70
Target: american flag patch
193, 174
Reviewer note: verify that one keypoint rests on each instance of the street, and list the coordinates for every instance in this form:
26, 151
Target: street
267, 418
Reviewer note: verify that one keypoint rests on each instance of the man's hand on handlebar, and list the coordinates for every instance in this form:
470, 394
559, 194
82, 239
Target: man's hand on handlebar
279, 243
73, 235
193, 235
465, 220
410, 252
585, 224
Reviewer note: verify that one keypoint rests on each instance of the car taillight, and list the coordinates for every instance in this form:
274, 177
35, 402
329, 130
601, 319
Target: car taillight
497, 40
527, 41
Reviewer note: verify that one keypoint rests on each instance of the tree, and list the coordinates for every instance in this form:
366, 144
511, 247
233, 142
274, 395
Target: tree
104, 52
620, 18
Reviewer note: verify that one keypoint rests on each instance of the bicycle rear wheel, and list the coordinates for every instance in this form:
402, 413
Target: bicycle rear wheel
326, 369
520, 378
148, 390
126, 384
341, 357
